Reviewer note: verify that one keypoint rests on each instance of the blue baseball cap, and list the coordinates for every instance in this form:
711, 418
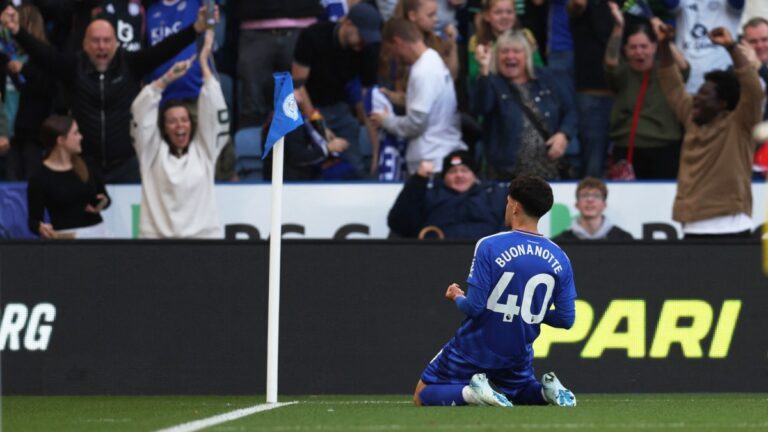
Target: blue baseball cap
368, 22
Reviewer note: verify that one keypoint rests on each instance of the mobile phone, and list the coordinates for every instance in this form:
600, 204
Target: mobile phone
210, 7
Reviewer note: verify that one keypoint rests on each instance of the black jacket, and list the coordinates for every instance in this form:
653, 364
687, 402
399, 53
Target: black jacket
473, 214
101, 103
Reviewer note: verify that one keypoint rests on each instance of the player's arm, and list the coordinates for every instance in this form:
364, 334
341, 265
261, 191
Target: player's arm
564, 313
472, 305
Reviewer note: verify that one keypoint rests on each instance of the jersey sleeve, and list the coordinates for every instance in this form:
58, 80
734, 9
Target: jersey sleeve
479, 281
564, 313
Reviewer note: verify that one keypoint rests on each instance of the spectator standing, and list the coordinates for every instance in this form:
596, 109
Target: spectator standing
168, 17
36, 91
431, 122
559, 40
592, 223
328, 56
693, 21
71, 191
424, 13
128, 19
714, 189
178, 155
457, 204
528, 114
641, 116
495, 18
591, 27
269, 30
104, 79
755, 33
559, 56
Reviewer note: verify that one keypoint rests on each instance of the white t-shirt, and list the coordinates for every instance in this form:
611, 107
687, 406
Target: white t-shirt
430, 93
177, 193
719, 225
695, 19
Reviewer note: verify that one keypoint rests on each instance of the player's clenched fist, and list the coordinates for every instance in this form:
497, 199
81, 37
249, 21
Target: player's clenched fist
453, 292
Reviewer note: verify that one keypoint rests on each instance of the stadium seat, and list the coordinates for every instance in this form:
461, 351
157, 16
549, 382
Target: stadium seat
248, 163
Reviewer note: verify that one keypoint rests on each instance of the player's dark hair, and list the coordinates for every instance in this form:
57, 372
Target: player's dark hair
401, 28
726, 86
533, 193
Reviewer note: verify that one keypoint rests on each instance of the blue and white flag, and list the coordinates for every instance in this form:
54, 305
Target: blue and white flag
287, 116
391, 147
334, 9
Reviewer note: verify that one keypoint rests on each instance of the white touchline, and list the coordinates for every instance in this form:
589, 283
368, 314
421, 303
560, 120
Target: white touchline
223, 418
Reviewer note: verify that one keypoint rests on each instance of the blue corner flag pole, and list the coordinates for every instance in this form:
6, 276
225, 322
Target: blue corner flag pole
285, 119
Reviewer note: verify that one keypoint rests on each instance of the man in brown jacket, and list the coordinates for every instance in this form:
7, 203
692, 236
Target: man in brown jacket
714, 192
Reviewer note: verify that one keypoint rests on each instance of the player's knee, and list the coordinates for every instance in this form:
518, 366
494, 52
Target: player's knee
417, 398
417, 393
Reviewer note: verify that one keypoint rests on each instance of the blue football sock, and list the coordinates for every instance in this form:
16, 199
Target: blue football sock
442, 395
530, 395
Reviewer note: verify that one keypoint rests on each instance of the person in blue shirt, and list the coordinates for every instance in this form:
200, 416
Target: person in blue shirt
165, 18
515, 278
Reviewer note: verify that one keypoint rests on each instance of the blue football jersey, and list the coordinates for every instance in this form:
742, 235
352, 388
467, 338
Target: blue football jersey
165, 18
514, 279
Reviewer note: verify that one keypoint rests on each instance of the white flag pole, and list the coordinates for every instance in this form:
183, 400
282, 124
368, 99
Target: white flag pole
275, 240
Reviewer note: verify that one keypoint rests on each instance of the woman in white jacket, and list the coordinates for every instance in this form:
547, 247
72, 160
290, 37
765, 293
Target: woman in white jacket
177, 155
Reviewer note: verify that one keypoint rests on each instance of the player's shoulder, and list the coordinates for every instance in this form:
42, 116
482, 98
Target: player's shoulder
558, 251
552, 244
492, 240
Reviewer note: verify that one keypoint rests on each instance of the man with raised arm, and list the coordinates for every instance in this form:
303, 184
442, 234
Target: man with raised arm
714, 189
102, 81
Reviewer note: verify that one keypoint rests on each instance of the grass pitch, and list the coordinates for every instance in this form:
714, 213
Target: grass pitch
595, 412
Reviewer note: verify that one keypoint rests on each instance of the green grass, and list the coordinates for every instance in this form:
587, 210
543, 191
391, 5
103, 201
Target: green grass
647, 412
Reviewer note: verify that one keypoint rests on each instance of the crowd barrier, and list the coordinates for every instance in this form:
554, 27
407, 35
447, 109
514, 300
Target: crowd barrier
362, 317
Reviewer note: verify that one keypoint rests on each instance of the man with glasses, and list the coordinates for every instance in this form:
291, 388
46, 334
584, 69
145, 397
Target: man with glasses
592, 224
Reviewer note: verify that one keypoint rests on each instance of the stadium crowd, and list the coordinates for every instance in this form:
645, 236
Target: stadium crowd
389, 90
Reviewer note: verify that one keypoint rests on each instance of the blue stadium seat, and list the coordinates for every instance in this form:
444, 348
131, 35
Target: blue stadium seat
248, 163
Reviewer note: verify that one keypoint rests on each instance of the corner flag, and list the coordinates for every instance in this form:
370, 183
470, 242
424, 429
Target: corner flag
287, 116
